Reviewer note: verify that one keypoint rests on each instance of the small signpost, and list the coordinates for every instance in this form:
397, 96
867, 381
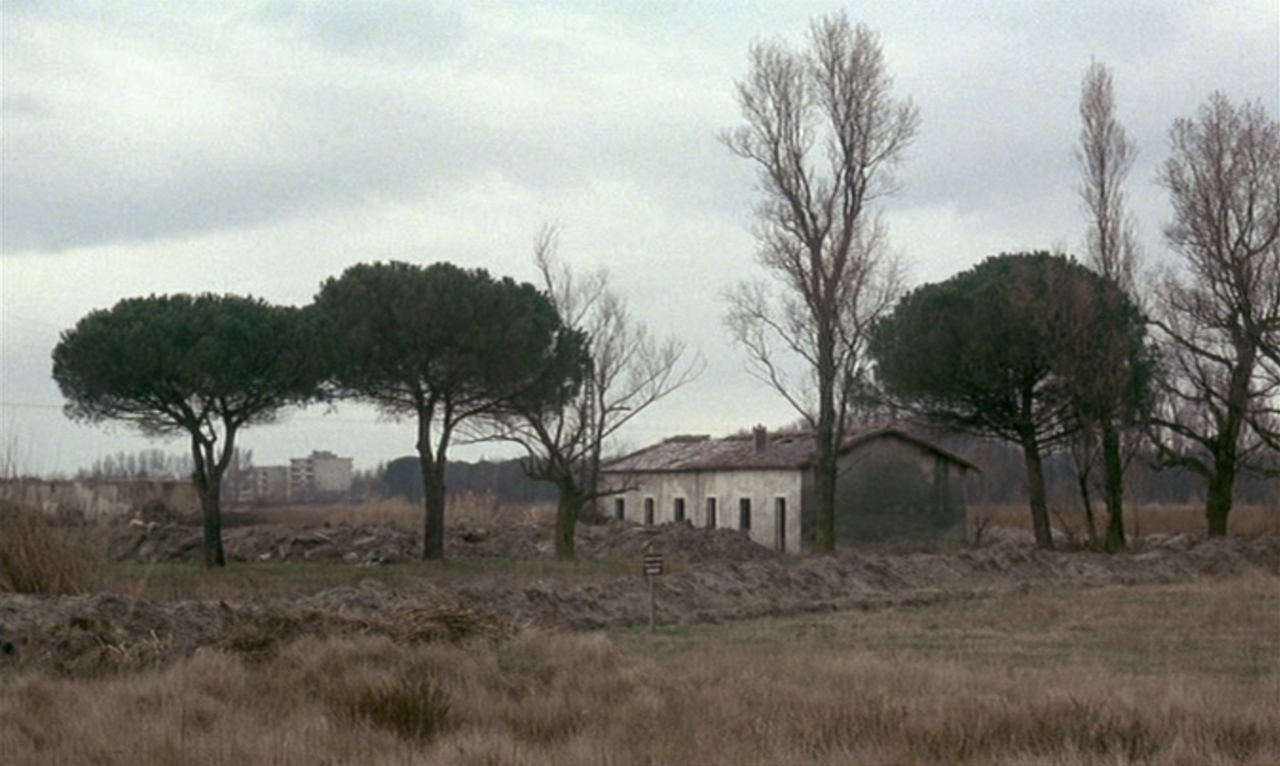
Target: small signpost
652, 568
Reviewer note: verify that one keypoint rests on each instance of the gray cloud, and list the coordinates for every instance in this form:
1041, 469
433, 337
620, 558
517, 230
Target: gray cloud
234, 144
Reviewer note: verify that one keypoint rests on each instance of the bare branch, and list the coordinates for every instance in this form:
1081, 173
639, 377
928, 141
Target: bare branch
1105, 156
825, 134
1220, 314
630, 371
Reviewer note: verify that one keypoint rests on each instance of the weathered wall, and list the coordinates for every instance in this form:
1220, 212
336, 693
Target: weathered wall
762, 488
101, 499
892, 488
889, 487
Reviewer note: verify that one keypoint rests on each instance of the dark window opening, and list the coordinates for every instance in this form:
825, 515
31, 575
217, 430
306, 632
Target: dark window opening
648, 511
619, 508
678, 509
744, 513
711, 513
780, 522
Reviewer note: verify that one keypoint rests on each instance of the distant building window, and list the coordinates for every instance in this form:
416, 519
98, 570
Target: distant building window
679, 509
648, 511
619, 508
711, 513
744, 513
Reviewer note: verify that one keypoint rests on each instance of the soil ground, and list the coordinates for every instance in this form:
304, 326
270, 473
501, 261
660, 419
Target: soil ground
711, 576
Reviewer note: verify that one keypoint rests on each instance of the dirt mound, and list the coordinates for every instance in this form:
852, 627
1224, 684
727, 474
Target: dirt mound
714, 575
108, 632
372, 544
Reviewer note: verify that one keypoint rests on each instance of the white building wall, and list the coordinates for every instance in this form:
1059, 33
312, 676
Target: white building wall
332, 475
322, 473
762, 488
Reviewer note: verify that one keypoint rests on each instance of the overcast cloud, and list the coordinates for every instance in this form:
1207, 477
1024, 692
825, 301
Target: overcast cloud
260, 147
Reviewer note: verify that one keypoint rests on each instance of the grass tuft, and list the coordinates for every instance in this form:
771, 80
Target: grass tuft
43, 555
412, 708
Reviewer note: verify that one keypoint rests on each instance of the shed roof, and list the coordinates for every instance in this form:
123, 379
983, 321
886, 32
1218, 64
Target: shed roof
782, 450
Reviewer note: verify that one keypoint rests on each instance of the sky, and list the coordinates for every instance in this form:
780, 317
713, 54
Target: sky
259, 147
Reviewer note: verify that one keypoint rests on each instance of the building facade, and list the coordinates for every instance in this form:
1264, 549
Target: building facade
890, 484
319, 477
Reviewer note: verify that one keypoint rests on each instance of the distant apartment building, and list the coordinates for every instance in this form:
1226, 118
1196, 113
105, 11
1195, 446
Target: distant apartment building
320, 477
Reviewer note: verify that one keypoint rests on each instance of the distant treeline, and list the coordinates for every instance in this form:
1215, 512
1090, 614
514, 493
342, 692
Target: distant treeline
504, 479
144, 464
1003, 479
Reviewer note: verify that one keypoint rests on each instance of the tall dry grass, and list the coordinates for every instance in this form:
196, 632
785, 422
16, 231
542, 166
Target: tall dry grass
43, 554
481, 510
1183, 674
1139, 519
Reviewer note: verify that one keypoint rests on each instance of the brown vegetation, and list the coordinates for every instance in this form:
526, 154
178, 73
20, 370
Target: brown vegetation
483, 510
941, 653
40, 554
1139, 520
1160, 674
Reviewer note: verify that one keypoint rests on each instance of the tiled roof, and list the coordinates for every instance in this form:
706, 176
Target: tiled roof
787, 449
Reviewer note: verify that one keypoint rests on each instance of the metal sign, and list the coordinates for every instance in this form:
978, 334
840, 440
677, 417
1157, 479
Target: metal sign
652, 568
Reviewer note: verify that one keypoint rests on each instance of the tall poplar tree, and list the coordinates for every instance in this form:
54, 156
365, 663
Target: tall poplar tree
824, 131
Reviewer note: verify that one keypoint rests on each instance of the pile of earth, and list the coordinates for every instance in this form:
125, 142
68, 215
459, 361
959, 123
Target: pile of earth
107, 632
373, 544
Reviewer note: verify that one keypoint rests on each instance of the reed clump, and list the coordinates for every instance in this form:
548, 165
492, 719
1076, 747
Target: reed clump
43, 554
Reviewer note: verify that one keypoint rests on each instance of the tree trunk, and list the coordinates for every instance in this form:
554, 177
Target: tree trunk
824, 484
211, 510
1036, 489
433, 502
1082, 478
208, 478
1113, 479
1222, 480
1084, 451
432, 464
826, 452
1218, 502
568, 511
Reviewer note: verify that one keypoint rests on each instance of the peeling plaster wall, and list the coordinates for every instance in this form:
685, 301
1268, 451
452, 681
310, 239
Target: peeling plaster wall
763, 488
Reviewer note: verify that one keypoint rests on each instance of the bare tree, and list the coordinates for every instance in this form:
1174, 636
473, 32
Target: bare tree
825, 133
1220, 314
630, 371
1105, 156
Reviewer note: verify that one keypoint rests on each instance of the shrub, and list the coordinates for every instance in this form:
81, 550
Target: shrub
39, 554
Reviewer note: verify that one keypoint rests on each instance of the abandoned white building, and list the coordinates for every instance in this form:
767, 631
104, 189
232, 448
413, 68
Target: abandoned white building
890, 485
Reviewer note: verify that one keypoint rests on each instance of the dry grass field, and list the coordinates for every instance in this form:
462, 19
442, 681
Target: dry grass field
1139, 520
1175, 674
1028, 659
480, 510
